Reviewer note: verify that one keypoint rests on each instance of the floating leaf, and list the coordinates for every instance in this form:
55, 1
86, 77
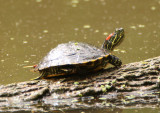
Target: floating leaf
105, 33
116, 50
26, 61
75, 1
11, 38
96, 31
86, 26
76, 29
2, 60
25, 42
153, 8
45, 31
133, 27
123, 51
141, 26
38, 0
27, 35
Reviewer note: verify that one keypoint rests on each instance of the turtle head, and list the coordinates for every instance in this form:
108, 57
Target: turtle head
113, 39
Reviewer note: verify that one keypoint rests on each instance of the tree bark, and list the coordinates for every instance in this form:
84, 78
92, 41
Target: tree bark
131, 84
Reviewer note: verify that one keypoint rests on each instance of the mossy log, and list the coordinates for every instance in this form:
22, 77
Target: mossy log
136, 83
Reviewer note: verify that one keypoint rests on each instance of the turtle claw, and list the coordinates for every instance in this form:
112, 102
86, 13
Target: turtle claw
37, 78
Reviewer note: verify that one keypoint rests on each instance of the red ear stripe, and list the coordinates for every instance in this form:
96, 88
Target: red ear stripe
109, 36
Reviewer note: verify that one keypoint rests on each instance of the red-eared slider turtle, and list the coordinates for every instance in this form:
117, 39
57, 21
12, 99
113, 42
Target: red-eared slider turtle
73, 58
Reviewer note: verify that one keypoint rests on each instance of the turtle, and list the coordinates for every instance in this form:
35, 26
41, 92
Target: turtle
77, 57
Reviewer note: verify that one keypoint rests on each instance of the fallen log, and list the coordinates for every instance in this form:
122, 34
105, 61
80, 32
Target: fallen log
136, 83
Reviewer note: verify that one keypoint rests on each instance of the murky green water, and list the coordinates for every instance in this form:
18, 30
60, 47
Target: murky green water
30, 28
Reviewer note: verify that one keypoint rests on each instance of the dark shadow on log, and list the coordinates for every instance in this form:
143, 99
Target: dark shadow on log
132, 84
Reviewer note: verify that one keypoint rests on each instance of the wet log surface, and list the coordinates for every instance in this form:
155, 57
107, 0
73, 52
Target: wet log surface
134, 84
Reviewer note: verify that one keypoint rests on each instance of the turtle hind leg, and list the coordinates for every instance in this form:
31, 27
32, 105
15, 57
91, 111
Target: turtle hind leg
40, 77
115, 61
37, 78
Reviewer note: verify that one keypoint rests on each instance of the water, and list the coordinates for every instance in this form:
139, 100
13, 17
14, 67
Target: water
30, 28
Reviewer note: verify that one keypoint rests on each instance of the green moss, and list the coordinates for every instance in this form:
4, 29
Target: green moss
108, 86
80, 95
76, 83
74, 100
130, 97
113, 81
102, 98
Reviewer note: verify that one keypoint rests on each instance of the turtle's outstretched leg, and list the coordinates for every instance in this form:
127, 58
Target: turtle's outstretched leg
40, 77
115, 61
37, 78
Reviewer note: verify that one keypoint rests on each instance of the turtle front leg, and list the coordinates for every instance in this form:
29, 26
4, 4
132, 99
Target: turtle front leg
115, 61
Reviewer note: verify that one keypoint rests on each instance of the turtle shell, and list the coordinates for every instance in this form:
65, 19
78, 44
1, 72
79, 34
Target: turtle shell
69, 58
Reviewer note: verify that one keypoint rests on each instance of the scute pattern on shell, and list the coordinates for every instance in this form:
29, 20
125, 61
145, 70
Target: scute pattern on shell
70, 53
